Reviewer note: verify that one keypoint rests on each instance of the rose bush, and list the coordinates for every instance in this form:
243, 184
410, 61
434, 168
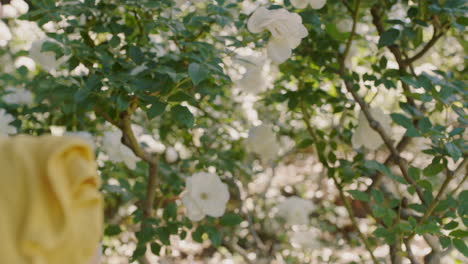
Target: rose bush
239, 131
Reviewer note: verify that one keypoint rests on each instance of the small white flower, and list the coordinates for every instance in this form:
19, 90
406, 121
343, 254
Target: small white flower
296, 210
46, 59
15, 8
171, 155
205, 194
5, 34
26, 62
83, 135
5, 127
305, 239
19, 96
262, 141
365, 135
117, 151
286, 31
344, 25
315, 4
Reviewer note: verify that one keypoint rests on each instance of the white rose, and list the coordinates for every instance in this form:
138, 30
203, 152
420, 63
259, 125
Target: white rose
117, 151
254, 79
19, 96
305, 239
46, 59
171, 155
286, 31
315, 4
205, 194
296, 210
262, 141
15, 8
365, 135
5, 34
5, 127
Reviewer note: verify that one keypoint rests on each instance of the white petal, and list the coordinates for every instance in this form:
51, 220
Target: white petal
259, 20
279, 50
299, 3
194, 213
317, 4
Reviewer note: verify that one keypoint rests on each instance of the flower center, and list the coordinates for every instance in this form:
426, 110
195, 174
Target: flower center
204, 196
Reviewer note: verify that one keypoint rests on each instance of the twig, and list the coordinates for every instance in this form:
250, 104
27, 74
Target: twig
411, 256
440, 193
435, 36
355, 15
460, 167
353, 219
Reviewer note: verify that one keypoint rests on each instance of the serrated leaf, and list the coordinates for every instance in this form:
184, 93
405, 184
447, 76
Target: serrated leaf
197, 72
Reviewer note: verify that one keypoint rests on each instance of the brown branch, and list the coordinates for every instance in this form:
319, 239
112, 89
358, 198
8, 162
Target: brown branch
375, 125
350, 211
450, 175
435, 37
355, 15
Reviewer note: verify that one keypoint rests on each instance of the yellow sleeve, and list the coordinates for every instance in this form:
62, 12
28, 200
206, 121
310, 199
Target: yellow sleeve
51, 209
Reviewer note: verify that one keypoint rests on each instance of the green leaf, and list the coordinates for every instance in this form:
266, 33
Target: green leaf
459, 233
155, 248
359, 195
377, 195
453, 150
156, 109
386, 234
198, 233
139, 252
163, 234
460, 246
305, 143
414, 173
433, 169
215, 236
112, 230
182, 115
170, 211
372, 164
402, 120
136, 55
389, 37
445, 241
197, 72
230, 219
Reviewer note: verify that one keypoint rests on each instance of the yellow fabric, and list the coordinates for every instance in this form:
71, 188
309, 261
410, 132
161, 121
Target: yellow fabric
50, 206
